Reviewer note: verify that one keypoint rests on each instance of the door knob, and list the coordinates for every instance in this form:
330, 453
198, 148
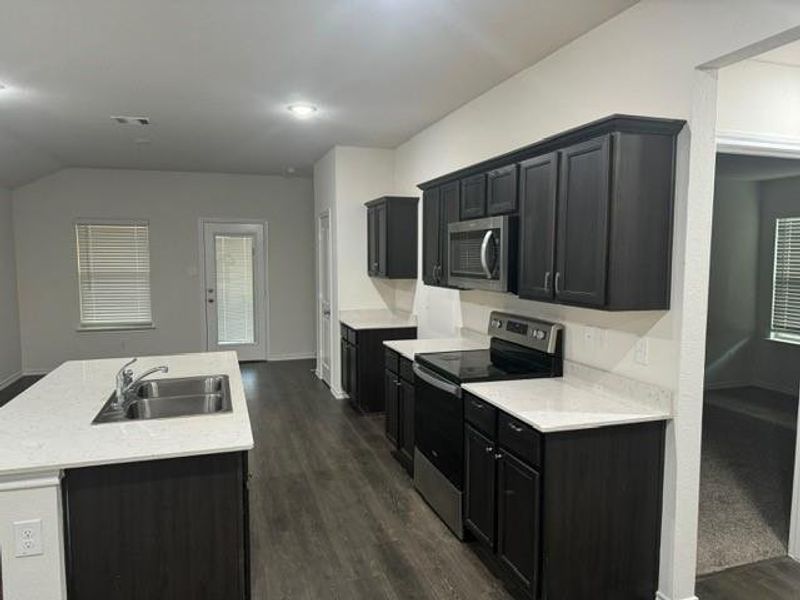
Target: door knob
211, 301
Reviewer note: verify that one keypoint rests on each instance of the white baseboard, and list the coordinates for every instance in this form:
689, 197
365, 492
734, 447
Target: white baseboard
295, 356
660, 596
7, 381
339, 394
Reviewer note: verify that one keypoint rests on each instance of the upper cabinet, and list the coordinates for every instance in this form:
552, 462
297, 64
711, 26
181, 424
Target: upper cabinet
440, 207
392, 237
595, 208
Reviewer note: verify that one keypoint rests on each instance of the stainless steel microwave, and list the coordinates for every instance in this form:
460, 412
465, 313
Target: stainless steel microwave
482, 254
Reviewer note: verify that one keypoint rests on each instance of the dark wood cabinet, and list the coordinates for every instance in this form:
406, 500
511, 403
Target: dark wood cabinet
518, 524
473, 197
391, 389
363, 365
392, 237
480, 472
399, 385
537, 230
570, 515
501, 195
596, 206
175, 528
440, 208
583, 201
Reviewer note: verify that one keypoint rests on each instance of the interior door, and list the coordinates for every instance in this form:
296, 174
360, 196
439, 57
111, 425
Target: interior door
235, 288
324, 291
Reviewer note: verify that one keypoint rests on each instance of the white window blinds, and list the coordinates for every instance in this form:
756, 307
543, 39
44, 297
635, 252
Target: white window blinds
235, 301
114, 274
786, 280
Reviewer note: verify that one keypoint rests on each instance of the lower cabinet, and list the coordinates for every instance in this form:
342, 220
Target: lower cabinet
173, 528
568, 515
362, 362
399, 394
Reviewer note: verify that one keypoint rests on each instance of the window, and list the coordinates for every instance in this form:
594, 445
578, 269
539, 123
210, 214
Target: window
114, 274
786, 281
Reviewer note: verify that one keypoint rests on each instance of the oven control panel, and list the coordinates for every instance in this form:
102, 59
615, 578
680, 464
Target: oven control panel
533, 333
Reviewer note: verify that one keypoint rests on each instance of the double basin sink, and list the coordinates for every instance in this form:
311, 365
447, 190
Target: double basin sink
166, 398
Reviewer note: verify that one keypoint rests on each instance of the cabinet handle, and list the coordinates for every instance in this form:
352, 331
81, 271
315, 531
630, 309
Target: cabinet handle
477, 405
498, 456
397, 382
547, 281
558, 282
516, 428
489, 449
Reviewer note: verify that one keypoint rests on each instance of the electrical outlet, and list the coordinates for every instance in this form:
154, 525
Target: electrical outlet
28, 537
641, 352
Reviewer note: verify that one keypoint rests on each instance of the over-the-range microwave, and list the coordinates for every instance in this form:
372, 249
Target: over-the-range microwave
482, 254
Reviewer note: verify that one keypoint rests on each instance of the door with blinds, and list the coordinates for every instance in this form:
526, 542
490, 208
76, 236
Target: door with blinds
235, 288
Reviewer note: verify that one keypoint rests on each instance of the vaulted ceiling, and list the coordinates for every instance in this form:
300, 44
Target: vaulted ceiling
216, 76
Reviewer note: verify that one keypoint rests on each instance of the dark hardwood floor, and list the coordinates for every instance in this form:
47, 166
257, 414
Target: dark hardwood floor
20, 385
774, 579
333, 515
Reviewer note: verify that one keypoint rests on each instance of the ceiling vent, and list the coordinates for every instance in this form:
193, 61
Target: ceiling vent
122, 120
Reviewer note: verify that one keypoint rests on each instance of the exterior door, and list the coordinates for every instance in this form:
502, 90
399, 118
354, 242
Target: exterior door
235, 288
324, 304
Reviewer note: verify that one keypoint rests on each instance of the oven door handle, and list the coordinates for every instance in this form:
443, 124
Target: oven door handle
436, 381
484, 253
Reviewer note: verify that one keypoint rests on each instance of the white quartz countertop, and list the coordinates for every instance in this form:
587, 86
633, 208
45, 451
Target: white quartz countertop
410, 348
49, 426
376, 319
565, 403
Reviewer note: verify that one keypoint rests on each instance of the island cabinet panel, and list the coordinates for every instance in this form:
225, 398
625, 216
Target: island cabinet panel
569, 515
392, 237
174, 528
399, 399
537, 231
364, 377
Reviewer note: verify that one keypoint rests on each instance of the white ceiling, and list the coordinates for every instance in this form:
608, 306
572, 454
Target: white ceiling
215, 75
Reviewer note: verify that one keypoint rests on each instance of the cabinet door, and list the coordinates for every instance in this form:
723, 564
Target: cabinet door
501, 194
583, 202
345, 358
480, 486
390, 393
352, 367
431, 230
372, 263
473, 197
406, 442
380, 239
449, 214
538, 188
518, 519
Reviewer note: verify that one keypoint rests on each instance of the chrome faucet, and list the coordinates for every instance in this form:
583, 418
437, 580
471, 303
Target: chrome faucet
125, 381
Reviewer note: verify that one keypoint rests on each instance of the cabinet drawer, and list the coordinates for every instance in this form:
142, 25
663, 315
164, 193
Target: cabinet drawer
406, 370
480, 414
390, 360
520, 438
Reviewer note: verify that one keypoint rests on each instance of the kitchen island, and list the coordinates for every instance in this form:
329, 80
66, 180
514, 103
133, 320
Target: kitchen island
134, 509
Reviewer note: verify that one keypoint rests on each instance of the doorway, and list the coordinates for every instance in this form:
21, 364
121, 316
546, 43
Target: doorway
324, 297
234, 287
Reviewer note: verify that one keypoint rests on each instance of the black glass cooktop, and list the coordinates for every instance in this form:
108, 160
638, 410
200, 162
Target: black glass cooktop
503, 360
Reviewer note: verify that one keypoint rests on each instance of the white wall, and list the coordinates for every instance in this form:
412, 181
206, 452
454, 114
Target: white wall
642, 62
733, 284
760, 98
10, 356
44, 214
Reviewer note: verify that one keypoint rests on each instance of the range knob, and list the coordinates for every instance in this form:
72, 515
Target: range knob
539, 334
497, 323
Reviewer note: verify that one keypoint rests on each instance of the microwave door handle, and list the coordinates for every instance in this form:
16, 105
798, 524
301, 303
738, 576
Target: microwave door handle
437, 382
484, 251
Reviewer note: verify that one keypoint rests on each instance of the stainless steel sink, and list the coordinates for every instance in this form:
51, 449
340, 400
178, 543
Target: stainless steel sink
168, 398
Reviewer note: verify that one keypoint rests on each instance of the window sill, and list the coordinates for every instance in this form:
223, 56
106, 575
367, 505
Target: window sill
106, 328
784, 339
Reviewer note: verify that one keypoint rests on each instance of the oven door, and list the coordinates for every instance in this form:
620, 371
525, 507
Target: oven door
480, 254
439, 423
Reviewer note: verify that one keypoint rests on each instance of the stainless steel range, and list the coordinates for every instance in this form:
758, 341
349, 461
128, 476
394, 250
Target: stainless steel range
520, 348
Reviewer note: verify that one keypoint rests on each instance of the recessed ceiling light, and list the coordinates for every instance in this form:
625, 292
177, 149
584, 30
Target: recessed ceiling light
302, 110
